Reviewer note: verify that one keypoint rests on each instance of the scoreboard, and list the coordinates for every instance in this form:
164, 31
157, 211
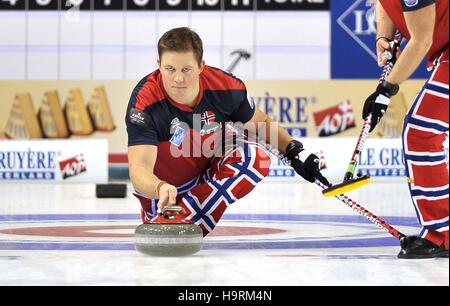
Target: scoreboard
263, 5
116, 39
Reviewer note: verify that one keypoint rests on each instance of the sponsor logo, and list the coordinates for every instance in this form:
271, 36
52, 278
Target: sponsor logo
73, 166
411, 3
27, 165
281, 172
291, 112
359, 21
175, 122
334, 120
297, 132
386, 161
382, 162
137, 117
210, 129
178, 136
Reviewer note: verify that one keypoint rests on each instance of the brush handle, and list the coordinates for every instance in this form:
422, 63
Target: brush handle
347, 201
367, 214
351, 169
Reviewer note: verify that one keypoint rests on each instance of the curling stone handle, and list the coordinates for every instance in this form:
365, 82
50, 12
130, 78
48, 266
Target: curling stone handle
174, 208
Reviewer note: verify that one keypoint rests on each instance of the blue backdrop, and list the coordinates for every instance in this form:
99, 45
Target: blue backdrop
353, 41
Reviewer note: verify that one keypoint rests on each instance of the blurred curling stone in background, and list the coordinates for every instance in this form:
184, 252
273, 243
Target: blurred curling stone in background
111, 191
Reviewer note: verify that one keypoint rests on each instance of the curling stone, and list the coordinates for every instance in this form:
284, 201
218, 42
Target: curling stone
168, 235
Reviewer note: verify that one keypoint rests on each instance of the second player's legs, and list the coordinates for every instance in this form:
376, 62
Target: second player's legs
425, 129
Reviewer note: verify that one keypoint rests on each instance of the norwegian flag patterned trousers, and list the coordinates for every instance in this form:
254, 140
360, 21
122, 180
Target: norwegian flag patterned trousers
424, 131
228, 179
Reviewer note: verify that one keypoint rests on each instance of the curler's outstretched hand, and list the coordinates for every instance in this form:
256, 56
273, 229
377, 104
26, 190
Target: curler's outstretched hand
305, 163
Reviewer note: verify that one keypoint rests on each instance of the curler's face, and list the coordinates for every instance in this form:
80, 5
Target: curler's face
180, 75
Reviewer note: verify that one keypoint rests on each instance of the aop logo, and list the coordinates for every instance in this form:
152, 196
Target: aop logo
334, 120
73, 166
359, 22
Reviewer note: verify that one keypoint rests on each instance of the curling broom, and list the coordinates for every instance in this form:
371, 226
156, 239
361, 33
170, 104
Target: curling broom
350, 182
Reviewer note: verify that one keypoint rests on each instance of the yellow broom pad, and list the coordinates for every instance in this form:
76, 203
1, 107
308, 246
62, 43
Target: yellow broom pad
346, 187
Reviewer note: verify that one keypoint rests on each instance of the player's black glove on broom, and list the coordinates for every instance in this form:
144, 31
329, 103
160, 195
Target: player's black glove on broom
304, 163
378, 102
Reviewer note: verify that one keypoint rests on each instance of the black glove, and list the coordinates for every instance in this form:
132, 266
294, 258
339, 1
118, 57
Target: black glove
304, 163
378, 102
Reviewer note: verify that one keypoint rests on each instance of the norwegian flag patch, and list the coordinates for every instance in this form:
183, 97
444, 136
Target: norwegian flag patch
208, 118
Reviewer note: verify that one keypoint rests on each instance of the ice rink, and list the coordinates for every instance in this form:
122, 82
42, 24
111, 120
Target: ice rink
281, 234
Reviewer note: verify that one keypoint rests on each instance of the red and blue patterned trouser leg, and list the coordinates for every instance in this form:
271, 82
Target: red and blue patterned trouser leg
228, 179
425, 129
